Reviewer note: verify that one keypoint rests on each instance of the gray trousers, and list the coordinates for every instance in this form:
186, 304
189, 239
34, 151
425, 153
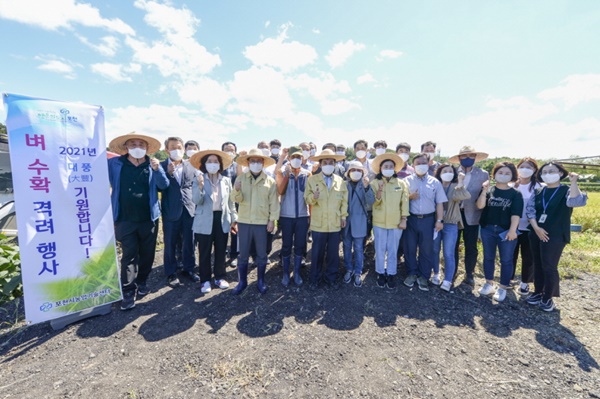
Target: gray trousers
248, 233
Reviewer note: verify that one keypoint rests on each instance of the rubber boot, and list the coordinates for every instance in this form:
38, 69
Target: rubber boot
285, 281
242, 278
260, 283
297, 266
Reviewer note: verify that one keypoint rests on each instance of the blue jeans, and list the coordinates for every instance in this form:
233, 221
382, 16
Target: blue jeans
448, 235
386, 243
491, 240
419, 238
350, 243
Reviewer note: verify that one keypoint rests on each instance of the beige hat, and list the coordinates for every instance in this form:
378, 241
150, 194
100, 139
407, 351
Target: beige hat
355, 165
388, 156
196, 159
118, 144
467, 149
327, 154
255, 153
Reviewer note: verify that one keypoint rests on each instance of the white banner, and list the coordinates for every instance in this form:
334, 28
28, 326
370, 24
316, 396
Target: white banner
64, 216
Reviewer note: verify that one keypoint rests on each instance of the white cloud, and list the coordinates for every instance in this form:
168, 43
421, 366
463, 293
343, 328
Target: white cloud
574, 90
365, 78
267, 24
340, 52
316, 31
388, 54
325, 89
116, 72
170, 21
56, 14
58, 65
209, 93
278, 53
107, 47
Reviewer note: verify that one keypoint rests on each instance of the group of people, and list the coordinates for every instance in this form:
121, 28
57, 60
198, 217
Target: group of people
415, 208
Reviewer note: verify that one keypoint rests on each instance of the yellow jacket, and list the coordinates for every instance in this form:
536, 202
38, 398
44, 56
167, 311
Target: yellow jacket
393, 204
331, 207
257, 198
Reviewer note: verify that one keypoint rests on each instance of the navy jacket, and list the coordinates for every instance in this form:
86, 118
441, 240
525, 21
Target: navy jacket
175, 198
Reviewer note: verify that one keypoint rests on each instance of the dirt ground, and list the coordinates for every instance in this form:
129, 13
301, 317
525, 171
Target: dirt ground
352, 342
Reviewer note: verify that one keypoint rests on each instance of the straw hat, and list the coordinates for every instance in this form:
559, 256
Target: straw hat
196, 159
388, 156
467, 149
255, 153
118, 144
355, 165
327, 154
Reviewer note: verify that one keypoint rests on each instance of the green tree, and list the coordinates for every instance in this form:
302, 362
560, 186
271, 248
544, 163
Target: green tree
2, 129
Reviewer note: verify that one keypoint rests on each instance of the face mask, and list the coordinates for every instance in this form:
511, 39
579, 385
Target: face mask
137, 152
502, 178
176, 155
421, 169
212, 168
266, 152
305, 154
387, 172
404, 156
447, 177
380, 151
256, 167
361, 154
340, 153
551, 178
356, 175
231, 154
327, 169
296, 163
431, 155
524, 172
275, 151
467, 162
189, 153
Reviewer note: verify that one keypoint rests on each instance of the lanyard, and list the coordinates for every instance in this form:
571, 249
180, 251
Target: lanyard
544, 203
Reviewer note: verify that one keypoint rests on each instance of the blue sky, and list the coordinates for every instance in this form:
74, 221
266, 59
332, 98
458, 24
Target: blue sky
512, 78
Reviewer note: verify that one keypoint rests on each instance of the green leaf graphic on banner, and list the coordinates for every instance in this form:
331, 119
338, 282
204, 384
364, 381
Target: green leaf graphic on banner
98, 284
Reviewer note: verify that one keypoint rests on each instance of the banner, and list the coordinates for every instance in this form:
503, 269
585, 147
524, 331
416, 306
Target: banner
62, 198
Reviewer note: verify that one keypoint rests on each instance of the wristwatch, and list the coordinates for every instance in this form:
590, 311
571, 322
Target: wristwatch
440, 221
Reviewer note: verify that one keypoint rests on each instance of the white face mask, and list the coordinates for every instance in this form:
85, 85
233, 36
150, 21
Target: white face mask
312, 152
361, 154
176, 155
189, 153
551, 178
421, 169
137, 152
275, 151
327, 169
296, 163
431, 155
447, 177
256, 167
387, 172
305, 154
266, 152
231, 154
525, 172
379, 151
404, 156
356, 175
340, 153
502, 178
212, 168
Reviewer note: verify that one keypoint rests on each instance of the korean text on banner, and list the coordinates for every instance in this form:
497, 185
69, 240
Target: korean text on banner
63, 209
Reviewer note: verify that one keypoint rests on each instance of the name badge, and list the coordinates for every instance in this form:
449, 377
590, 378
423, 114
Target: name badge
543, 218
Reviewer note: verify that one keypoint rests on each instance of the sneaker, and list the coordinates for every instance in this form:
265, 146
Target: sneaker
222, 284
128, 302
524, 289
357, 281
547, 306
205, 287
380, 280
534, 299
423, 284
500, 294
390, 282
142, 290
487, 289
446, 286
233, 262
410, 280
348, 277
435, 280
192, 276
173, 281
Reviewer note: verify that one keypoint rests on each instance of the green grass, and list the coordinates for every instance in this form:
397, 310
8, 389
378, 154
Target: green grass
588, 216
582, 255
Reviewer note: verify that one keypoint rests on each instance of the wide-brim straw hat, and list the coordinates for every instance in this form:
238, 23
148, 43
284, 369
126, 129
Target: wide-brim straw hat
355, 165
388, 156
255, 153
118, 144
327, 154
196, 159
467, 149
